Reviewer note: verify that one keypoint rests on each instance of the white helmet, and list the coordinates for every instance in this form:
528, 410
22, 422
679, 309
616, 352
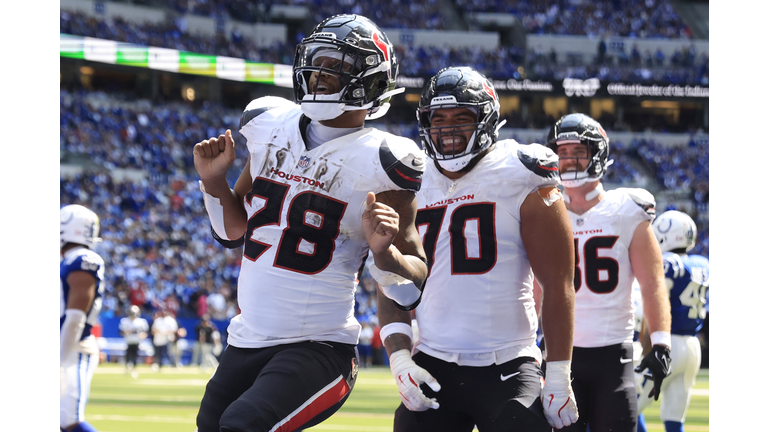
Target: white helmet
79, 225
674, 230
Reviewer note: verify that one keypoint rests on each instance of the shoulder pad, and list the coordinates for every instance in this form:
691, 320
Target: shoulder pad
405, 170
642, 198
539, 159
229, 244
262, 105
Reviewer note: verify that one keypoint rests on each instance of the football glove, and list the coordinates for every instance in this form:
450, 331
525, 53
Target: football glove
657, 362
409, 376
557, 395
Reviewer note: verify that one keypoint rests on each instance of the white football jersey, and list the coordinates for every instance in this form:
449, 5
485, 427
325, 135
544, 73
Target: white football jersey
603, 273
304, 241
477, 306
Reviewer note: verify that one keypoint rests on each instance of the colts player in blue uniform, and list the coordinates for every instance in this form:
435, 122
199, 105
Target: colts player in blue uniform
687, 278
82, 286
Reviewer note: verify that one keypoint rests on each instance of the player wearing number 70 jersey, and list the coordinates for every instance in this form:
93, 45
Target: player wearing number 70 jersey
489, 213
687, 279
614, 245
318, 192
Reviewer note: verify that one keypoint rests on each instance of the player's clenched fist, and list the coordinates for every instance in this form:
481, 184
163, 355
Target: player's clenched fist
215, 156
381, 223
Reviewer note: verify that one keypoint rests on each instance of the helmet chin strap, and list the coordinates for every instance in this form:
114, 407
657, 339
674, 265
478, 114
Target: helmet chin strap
322, 111
590, 195
458, 163
595, 192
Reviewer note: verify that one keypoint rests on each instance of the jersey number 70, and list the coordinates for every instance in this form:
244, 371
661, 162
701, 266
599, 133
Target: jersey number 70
461, 262
312, 218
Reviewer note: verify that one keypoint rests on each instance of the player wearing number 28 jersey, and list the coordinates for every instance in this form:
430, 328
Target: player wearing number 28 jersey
304, 220
319, 191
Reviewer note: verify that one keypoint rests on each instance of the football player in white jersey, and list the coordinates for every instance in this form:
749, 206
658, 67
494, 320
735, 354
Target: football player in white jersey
687, 281
82, 288
614, 245
134, 329
489, 215
318, 192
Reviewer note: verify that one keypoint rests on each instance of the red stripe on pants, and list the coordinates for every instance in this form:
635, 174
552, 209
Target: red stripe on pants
324, 401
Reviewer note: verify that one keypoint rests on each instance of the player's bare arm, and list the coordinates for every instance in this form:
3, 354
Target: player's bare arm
548, 239
82, 290
389, 313
647, 264
388, 224
213, 158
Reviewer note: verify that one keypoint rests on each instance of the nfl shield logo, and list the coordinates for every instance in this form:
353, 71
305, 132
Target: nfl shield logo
579, 222
304, 161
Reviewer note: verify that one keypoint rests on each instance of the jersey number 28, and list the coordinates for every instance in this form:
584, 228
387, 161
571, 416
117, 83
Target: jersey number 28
313, 221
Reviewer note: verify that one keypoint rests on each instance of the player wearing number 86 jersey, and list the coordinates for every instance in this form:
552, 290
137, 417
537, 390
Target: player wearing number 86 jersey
604, 276
614, 245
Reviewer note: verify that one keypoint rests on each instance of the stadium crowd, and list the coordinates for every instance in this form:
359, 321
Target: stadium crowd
632, 18
157, 239
503, 62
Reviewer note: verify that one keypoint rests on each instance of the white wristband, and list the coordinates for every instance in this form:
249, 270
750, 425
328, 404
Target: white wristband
215, 213
661, 338
395, 327
385, 278
559, 371
71, 331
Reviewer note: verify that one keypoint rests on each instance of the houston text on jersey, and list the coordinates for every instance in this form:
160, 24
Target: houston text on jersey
297, 178
452, 200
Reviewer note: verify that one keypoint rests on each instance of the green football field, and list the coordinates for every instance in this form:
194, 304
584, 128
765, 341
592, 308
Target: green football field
167, 401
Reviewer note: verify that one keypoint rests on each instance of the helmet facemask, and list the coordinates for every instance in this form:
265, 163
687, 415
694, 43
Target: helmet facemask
572, 177
437, 139
581, 129
331, 75
454, 88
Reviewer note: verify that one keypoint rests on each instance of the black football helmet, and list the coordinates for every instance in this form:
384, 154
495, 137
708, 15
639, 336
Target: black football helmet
459, 87
365, 64
580, 128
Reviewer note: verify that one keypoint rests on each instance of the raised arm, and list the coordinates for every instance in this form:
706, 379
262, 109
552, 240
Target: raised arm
213, 158
388, 224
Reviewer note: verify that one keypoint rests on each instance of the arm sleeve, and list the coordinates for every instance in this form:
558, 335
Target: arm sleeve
71, 330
